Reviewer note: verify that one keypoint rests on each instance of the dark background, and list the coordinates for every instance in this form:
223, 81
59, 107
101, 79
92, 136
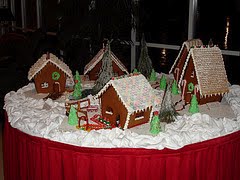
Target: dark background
78, 32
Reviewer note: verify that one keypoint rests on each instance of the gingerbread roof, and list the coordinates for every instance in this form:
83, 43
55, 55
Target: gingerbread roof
98, 57
44, 60
210, 70
134, 92
187, 44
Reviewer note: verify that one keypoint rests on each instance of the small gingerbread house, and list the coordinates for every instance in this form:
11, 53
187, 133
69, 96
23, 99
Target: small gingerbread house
49, 74
204, 75
127, 102
92, 69
177, 66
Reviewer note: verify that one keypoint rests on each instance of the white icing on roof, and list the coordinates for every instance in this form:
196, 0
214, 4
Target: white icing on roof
98, 57
42, 62
188, 44
210, 70
192, 43
135, 93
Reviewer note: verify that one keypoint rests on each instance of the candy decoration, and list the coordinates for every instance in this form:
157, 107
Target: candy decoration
55, 76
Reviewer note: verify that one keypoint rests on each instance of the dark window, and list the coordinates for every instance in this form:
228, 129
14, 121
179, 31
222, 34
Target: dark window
139, 116
109, 111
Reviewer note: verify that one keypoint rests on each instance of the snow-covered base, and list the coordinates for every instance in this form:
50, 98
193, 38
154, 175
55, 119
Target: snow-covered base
47, 119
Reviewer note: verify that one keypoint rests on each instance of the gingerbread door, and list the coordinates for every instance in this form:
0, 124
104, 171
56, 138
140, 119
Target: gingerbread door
56, 87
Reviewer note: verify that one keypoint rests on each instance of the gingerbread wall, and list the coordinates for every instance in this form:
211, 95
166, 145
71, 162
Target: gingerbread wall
180, 64
45, 76
146, 117
190, 78
110, 99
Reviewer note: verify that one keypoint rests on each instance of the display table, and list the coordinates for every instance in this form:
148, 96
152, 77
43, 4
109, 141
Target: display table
40, 144
30, 157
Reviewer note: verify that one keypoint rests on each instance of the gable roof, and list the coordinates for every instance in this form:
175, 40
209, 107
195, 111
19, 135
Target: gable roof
134, 92
187, 44
98, 57
210, 70
43, 61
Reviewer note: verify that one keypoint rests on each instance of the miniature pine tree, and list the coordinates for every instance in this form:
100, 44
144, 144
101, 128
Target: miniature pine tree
153, 76
175, 88
144, 63
135, 71
77, 93
106, 71
163, 82
72, 117
193, 105
167, 111
155, 127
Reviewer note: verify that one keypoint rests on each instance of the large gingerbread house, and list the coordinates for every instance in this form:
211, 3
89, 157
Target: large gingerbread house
49, 74
129, 101
178, 64
203, 74
92, 69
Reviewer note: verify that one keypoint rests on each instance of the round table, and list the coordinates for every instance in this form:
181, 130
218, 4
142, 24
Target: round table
30, 157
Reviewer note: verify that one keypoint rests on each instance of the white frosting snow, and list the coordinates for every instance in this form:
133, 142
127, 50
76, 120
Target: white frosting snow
47, 119
42, 62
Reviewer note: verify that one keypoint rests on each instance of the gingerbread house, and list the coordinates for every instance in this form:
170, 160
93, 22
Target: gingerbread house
49, 74
177, 66
127, 102
92, 69
203, 74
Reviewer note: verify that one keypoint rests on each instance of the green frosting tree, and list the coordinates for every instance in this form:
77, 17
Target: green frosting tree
155, 127
163, 82
193, 105
175, 88
153, 76
135, 71
77, 93
144, 63
72, 117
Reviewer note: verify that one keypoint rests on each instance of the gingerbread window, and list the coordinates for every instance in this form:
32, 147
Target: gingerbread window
139, 116
109, 111
193, 74
44, 85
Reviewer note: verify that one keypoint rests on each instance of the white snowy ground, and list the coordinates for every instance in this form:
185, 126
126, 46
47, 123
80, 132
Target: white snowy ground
29, 113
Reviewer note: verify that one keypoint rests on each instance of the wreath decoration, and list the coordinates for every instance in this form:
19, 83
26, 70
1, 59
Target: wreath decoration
55, 75
191, 87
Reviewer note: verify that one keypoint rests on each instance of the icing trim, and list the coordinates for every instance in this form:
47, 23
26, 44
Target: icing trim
99, 57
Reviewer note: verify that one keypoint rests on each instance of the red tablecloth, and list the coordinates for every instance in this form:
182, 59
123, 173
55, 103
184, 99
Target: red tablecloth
31, 158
